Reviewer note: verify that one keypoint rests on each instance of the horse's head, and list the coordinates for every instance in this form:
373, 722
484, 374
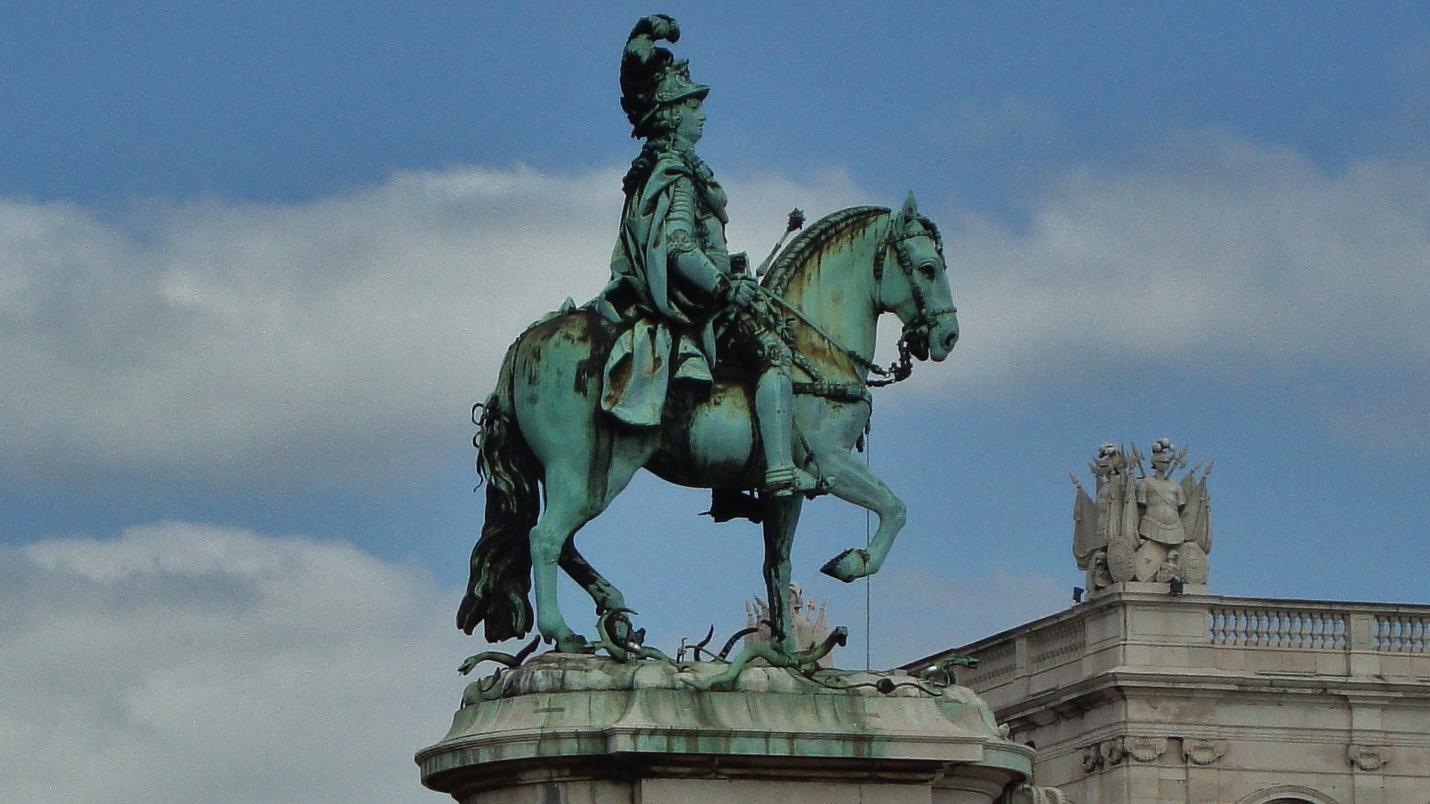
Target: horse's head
917, 292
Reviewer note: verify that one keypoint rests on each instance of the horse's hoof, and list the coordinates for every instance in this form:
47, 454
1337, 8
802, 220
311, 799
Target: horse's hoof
848, 566
573, 643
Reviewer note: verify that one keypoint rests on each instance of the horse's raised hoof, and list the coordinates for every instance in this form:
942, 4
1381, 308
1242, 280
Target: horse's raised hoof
848, 566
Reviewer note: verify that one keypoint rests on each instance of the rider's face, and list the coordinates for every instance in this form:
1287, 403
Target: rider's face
692, 121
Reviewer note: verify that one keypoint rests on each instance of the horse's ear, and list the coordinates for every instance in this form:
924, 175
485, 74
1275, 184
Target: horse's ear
911, 208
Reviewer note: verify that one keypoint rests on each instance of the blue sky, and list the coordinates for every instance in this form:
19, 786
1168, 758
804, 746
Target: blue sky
256, 262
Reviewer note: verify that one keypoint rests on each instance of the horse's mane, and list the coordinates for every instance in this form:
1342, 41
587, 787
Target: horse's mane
811, 240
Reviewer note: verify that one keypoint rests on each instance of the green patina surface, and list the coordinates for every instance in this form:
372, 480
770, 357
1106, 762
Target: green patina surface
585, 706
688, 365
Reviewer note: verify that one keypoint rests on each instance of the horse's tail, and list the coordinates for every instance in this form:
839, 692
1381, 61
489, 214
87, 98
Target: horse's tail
499, 588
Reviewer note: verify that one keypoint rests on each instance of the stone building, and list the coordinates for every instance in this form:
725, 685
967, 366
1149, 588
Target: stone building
1141, 695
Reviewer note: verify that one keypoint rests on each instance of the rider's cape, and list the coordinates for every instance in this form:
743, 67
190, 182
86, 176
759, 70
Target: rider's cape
663, 326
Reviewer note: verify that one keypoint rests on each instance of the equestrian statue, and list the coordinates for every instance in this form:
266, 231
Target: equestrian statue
688, 365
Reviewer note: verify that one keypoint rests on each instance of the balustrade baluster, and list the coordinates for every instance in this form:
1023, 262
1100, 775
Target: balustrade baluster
1287, 628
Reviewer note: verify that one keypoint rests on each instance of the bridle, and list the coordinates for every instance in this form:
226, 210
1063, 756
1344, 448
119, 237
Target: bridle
914, 340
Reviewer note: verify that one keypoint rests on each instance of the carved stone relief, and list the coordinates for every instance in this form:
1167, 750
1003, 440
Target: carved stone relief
1091, 758
1138, 748
1202, 752
1115, 750
1368, 757
1145, 749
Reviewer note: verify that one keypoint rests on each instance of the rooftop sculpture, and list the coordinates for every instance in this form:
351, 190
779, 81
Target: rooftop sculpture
808, 620
688, 365
1143, 527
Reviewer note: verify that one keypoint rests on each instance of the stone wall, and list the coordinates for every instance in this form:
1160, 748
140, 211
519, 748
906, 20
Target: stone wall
1143, 696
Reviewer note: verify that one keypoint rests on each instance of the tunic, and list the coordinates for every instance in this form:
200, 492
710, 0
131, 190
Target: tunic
667, 320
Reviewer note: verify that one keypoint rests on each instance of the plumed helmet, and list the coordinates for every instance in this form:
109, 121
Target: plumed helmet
651, 76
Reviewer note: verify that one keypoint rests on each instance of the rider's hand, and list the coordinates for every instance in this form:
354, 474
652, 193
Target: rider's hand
742, 290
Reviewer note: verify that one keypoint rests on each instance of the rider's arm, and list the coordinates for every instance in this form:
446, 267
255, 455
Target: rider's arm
687, 260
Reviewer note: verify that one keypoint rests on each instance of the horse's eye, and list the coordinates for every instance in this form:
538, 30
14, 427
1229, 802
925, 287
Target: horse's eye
929, 270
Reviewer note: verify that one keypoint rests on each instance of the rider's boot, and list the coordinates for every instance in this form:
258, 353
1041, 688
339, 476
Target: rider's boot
774, 408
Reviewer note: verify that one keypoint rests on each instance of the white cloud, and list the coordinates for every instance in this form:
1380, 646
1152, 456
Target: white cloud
1214, 250
349, 335
183, 660
304, 340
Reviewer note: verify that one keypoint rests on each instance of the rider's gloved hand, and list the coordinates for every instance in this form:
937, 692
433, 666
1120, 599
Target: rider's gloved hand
741, 290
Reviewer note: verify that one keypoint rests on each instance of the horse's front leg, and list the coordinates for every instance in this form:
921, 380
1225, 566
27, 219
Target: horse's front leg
853, 482
781, 518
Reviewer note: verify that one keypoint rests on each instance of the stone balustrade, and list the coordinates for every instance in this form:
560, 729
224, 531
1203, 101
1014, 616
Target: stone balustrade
1401, 633
1146, 626
1303, 627
1195, 697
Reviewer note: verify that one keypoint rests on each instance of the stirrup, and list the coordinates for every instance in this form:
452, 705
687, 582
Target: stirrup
788, 480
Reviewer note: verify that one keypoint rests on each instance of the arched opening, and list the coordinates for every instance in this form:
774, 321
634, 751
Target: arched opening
1288, 794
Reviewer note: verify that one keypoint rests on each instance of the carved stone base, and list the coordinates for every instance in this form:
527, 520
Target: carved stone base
590, 730
1150, 587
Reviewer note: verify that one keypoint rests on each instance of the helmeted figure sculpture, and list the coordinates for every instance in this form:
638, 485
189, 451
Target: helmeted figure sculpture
1176, 519
1098, 520
1148, 528
1161, 500
672, 276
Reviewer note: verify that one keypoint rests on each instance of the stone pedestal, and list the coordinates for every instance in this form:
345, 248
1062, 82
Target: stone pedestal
587, 730
1149, 588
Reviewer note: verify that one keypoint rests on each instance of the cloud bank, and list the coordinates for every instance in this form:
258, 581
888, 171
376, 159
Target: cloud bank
182, 660
351, 333
307, 340
1212, 250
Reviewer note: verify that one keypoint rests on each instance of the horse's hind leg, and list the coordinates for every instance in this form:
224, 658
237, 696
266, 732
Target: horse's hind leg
567, 509
575, 494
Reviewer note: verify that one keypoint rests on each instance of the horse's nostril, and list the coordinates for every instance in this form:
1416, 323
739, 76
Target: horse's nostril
950, 339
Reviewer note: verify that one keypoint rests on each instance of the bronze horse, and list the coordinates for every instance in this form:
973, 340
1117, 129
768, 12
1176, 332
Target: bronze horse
545, 439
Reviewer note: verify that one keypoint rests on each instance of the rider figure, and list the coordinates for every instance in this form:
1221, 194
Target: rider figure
672, 256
